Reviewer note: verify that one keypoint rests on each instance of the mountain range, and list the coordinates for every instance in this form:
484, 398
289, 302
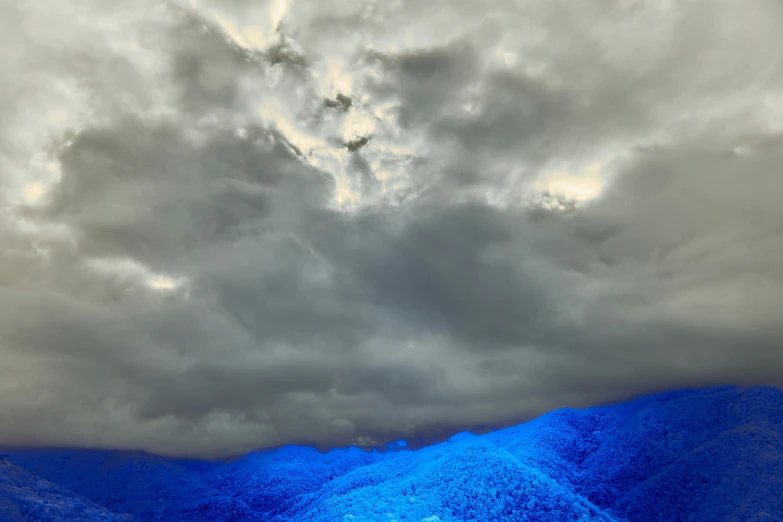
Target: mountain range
687, 455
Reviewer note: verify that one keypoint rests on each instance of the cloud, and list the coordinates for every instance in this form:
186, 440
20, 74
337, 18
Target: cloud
232, 225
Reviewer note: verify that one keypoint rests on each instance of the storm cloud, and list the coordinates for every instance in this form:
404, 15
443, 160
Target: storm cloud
229, 225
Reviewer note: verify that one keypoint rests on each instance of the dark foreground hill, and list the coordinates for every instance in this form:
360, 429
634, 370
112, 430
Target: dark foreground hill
691, 455
26, 497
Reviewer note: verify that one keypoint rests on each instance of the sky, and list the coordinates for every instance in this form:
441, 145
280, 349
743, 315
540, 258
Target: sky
237, 224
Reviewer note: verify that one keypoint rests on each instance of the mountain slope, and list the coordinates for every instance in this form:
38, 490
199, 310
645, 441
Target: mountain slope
25, 497
146, 486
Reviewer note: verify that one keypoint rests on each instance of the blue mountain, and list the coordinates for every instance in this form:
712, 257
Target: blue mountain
688, 455
26, 497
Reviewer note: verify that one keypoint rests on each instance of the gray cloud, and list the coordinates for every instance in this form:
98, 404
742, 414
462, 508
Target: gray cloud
559, 205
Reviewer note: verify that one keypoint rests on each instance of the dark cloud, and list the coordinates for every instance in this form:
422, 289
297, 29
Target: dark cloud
340, 101
224, 227
143, 191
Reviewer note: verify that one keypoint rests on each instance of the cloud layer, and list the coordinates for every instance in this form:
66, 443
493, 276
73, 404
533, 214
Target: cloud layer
231, 224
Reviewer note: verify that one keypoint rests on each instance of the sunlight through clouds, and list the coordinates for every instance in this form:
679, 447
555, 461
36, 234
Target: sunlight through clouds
133, 271
581, 186
33, 192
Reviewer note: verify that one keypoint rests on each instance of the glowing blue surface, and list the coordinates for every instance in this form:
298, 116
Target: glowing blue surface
705, 455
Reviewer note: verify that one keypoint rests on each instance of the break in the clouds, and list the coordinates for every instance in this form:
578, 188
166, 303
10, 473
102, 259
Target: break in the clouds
236, 224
